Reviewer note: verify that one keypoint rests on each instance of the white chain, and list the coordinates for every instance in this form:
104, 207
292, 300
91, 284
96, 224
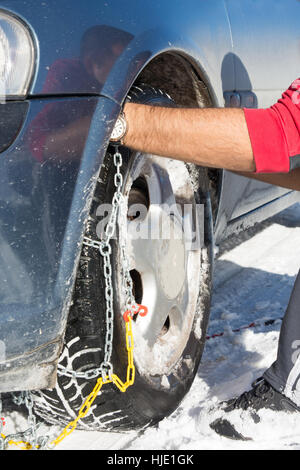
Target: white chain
30, 434
105, 368
118, 209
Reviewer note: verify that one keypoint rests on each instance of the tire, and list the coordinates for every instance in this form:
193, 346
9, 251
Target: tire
169, 341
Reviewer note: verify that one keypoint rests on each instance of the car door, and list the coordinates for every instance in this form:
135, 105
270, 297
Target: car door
266, 54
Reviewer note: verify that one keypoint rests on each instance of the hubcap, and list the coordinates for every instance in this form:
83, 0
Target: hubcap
164, 269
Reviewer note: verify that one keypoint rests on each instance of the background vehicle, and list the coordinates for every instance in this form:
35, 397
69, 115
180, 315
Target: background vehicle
67, 70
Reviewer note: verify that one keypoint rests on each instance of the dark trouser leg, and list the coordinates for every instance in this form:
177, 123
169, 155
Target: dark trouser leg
284, 374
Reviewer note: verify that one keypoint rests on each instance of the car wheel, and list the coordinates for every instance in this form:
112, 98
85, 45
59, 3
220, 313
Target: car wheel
170, 276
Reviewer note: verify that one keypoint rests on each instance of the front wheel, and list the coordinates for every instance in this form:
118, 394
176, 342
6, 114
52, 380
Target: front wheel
170, 272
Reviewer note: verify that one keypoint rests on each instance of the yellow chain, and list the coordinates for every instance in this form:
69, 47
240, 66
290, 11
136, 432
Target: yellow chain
100, 382
21, 444
122, 386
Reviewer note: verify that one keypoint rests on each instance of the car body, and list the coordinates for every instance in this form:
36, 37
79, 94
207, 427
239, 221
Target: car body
229, 53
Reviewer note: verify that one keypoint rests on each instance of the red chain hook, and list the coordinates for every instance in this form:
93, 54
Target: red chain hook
142, 310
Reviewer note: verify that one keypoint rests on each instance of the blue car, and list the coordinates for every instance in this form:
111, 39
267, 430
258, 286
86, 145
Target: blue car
90, 232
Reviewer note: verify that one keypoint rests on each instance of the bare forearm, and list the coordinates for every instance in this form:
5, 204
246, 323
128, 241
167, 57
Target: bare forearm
208, 137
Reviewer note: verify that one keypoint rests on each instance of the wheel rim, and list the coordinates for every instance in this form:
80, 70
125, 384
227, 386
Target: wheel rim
164, 265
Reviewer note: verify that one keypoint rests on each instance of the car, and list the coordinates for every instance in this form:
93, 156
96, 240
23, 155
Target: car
107, 254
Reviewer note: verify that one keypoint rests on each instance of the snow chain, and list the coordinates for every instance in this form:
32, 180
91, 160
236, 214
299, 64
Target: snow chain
28, 439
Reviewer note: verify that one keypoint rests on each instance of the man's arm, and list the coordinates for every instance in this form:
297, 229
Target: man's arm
216, 138
255, 141
211, 137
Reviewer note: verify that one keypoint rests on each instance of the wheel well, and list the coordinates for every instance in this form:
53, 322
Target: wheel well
177, 76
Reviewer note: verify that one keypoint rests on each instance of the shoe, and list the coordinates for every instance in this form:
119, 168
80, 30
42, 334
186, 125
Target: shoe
262, 396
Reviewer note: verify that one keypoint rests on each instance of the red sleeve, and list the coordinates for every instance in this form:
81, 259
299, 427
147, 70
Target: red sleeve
275, 133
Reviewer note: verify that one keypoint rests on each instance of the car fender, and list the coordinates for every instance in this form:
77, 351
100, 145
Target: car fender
32, 317
217, 75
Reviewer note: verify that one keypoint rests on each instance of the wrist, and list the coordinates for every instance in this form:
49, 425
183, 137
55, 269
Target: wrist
119, 131
137, 118
127, 116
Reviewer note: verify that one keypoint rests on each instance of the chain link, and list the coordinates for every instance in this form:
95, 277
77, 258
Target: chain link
104, 248
26, 439
112, 378
105, 371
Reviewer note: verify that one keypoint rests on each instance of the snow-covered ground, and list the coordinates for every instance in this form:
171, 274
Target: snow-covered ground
254, 276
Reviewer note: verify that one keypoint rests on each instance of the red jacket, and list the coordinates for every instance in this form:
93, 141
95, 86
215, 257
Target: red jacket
275, 133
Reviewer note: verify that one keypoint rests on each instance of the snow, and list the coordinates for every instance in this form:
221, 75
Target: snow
254, 276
